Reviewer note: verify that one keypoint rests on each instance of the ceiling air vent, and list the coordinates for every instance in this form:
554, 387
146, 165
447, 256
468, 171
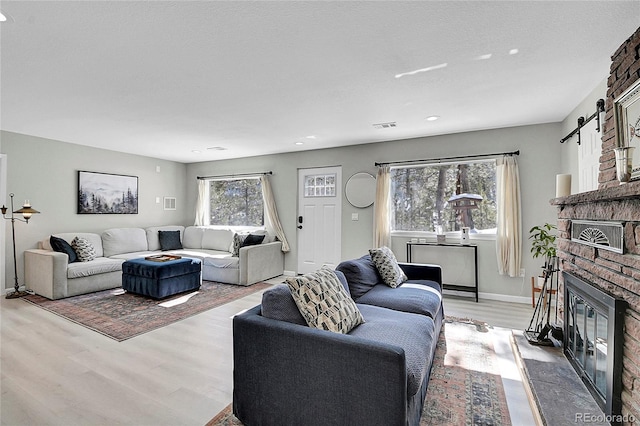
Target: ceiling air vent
385, 125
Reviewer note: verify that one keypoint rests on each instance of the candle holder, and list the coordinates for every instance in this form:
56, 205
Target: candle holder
624, 164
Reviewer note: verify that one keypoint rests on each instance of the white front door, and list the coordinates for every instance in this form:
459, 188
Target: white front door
319, 218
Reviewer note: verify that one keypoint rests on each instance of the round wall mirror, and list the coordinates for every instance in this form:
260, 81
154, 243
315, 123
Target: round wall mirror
361, 190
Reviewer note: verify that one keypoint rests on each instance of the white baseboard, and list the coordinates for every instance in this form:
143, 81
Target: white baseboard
289, 273
505, 298
490, 296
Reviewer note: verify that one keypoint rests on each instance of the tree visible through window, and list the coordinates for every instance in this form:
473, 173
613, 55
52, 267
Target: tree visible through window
449, 195
236, 202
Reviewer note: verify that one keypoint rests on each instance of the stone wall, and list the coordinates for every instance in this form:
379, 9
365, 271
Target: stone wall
616, 274
625, 71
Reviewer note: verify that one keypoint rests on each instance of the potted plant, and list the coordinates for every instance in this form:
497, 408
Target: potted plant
544, 243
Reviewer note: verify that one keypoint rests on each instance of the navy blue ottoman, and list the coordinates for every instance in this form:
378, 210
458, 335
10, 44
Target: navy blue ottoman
161, 279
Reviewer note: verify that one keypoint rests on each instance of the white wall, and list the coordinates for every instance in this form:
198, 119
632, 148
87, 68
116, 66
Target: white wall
539, 163
45, 172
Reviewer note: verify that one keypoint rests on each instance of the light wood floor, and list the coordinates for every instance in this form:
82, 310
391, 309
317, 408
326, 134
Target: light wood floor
55, 372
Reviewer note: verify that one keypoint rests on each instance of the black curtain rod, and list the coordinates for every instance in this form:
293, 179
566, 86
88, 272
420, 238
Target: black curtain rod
234, 175
438, 160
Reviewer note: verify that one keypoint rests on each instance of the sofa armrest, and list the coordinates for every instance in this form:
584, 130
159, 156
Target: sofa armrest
422, 271
260, 262
45, 272
328, 375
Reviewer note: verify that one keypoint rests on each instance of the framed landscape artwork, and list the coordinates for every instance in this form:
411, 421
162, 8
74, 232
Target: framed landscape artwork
104, 193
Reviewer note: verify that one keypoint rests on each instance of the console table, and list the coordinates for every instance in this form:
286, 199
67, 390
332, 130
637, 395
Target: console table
474, 287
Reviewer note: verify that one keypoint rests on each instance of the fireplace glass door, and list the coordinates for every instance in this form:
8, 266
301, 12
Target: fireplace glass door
593, 340
588, 341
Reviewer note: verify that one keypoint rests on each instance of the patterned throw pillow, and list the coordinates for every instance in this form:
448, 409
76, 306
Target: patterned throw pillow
83, 248
238, 239
323, 301
387, 266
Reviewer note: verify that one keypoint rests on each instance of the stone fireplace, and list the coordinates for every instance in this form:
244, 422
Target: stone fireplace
616, 274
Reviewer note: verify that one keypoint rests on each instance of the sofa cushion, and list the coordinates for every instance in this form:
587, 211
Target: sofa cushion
62, 246
278, 304
323, 301
415, 334
217, 239
153, 238
361, 274
169, 240
415, 297
99, 265
387, 266
124, 240
221, 259
192, 237
84, 249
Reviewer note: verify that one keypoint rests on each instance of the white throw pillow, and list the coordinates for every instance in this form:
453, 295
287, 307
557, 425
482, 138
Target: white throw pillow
84, 249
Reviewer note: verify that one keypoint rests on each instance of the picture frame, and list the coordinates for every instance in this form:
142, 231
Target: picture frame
106, 193
626, 110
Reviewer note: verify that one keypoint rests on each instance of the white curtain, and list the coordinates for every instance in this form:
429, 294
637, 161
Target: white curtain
381, 212
272, 221
202, 203
509, 233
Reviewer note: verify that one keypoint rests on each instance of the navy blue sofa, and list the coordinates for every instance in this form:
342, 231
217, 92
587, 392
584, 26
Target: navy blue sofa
286, 373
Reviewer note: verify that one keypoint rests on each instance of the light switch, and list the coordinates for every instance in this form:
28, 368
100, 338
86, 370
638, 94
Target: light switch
354, 216
157, 169
157, 200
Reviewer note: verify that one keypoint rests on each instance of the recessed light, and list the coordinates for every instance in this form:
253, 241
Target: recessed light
513, 52
433, 117
2, 17
312, 137
195, 151
217, 148
299, 143
484, 57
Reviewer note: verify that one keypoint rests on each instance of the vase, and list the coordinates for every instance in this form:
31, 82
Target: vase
624, 164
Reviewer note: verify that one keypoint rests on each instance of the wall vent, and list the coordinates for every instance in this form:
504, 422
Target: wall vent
385, 125
603, 235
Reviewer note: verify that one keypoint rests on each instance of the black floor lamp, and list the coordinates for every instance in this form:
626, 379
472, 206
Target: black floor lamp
26, 211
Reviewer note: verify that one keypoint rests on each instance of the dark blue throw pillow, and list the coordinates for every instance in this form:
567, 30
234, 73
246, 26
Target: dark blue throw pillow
61, 246
252, 240
169, 240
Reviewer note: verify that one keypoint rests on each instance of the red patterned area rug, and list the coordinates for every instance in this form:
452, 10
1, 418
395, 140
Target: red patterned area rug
121, 315
465, 387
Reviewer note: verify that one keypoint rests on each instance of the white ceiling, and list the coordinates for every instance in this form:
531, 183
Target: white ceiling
163, 79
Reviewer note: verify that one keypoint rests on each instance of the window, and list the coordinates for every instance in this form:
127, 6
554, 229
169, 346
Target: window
320, 186
447, 195
236, 202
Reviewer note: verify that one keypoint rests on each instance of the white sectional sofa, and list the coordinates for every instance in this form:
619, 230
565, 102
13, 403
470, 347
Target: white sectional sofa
49, 273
